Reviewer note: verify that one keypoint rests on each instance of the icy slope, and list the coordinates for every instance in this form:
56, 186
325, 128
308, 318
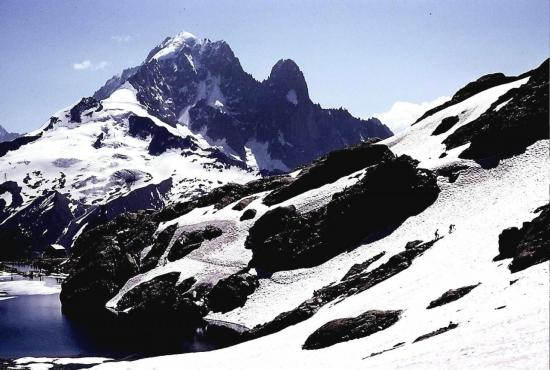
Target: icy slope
502, 323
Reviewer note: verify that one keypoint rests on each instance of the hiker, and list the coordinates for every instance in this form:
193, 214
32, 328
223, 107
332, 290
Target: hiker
437, 234
451, 228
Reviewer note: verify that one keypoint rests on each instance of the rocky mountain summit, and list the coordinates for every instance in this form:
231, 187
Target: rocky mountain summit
201, 84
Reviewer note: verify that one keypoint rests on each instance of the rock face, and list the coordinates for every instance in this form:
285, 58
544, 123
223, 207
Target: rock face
330, 168
451, 295
528, 245
248, 214
201, 84
445, 125
84, 105
232, 292
520, 120
36, 226
284, 239
342, 330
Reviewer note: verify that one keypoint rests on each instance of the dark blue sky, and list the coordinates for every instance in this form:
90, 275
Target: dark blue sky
363, 55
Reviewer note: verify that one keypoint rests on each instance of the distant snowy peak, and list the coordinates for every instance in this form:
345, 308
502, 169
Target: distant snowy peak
271, 125
171, 46
7, 136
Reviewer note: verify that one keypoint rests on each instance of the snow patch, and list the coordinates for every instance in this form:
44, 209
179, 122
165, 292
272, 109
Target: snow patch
291, 97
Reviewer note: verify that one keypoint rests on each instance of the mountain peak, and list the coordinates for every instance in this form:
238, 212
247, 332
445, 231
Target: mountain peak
173, 45
286, 77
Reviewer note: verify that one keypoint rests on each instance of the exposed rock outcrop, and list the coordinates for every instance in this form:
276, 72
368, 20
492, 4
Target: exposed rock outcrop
451, 295
330, 168
232, 292
446, 124
162, 300
284, 239
445, 329
528, 245
342, 330
83, 105
189, 241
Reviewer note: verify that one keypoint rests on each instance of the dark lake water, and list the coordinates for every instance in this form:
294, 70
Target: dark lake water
33, 325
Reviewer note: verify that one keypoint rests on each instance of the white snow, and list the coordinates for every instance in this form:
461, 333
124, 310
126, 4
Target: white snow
28, 287
7, 197
172, 46
291, 97
39, 363
498, 107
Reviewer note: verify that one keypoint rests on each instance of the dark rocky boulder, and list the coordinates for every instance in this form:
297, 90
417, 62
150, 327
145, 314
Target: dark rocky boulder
445, 329
188, 241
508, 131
330, 168
528, 245
284, 239
356, 280
451, 295
98, 143
446, 124
83, 105
342, 330
243, 203
248, 214
162, 300
232, 292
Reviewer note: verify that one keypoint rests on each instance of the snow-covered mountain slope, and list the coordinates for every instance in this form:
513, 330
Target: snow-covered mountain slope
344, 271
97, 152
